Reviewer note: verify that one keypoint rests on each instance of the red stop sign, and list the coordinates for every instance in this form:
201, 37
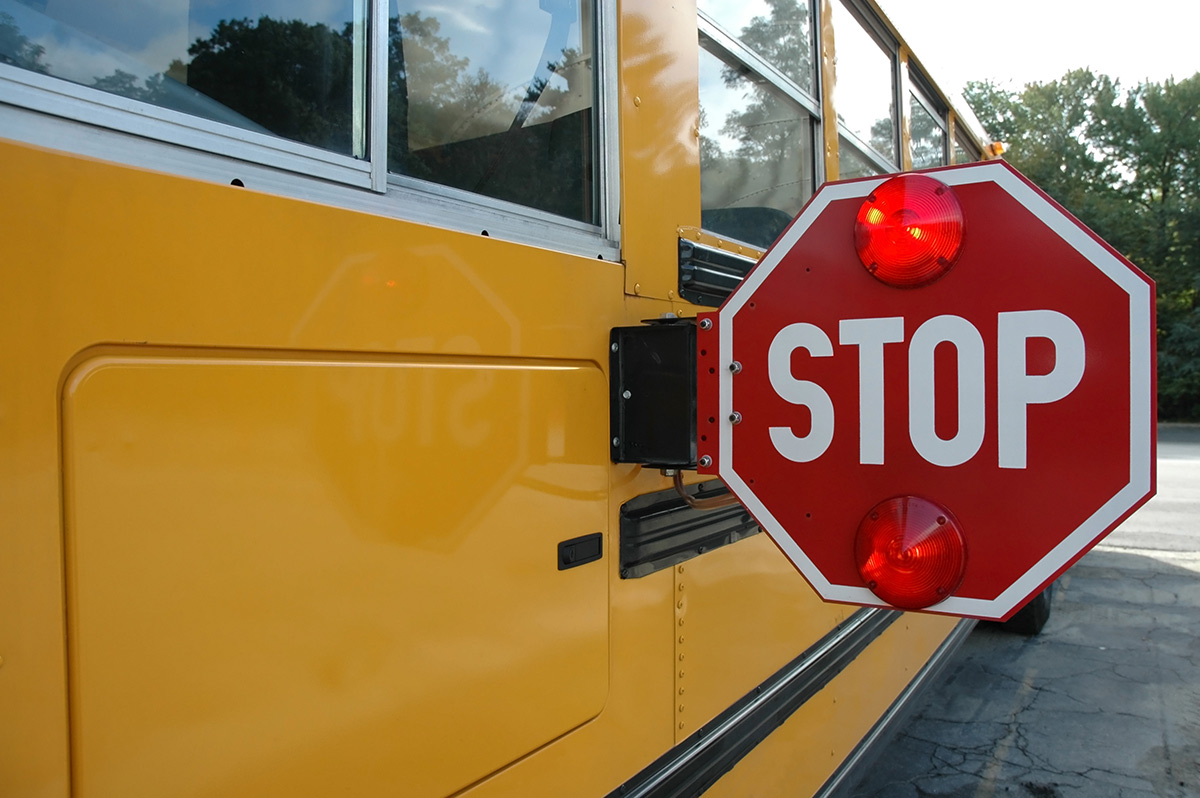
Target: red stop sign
1004, 397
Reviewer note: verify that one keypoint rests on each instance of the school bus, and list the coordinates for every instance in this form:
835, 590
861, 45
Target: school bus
309, 485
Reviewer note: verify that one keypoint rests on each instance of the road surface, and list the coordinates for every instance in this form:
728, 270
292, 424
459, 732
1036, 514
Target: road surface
1105, 702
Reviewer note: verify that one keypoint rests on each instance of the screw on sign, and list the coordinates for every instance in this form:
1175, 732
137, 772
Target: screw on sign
935, 391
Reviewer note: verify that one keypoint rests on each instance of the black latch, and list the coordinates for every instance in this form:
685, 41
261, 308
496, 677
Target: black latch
653, 394
579, 551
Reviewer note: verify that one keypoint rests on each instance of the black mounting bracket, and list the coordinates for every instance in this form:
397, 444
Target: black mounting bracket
652, 393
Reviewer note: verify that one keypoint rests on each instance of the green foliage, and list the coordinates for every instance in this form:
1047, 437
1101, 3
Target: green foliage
1127, 163
298, 83
16, 49
783, 39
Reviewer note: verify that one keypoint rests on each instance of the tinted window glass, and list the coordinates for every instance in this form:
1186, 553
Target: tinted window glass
865, 79
497, 99
272, 66
778, 30
756, 154
927, 136
852, 163
962, 154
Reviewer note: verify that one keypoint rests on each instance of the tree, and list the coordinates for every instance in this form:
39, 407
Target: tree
1047, 128
1127, 163
783, 38
291, 77
765, 128
433, 98
1154, 133
16, 49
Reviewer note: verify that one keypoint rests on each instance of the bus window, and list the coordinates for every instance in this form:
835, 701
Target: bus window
497, 100
255, 64
780, 31
928, 133
756, 154
964, 152
853, 163
865, 86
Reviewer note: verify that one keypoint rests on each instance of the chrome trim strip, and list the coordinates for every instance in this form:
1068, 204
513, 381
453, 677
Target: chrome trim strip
361, 52
377, 93
607, 111
519, 225
61, 98
425, 203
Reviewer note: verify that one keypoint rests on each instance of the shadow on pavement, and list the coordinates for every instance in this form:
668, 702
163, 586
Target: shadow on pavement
1105, 702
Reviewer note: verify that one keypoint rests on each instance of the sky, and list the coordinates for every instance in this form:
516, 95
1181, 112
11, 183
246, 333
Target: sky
1017, 42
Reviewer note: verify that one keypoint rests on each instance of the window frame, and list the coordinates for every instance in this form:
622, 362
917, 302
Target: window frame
963, 142
891, 48
47, 111
920, 89
726, 46
732, 49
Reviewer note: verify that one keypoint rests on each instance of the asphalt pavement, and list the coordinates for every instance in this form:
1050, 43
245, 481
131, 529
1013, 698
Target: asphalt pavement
1105, 702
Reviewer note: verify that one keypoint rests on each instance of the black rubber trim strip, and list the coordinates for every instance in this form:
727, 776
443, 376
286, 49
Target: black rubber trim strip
698, 762
659, 530
845, 779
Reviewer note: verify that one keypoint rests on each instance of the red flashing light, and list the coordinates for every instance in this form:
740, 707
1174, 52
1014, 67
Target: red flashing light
910, 552
909, 230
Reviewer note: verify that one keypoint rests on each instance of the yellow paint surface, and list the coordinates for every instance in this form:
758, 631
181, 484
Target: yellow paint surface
805, 751
283, 486
270, 576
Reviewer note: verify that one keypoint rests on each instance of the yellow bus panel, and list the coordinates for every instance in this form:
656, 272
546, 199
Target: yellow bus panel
305, 448
272, 582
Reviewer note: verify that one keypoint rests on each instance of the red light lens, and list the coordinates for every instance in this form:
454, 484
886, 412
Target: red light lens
909, 230
910, 552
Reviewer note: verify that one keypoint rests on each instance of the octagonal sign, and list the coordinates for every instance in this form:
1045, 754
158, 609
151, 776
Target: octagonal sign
935, 391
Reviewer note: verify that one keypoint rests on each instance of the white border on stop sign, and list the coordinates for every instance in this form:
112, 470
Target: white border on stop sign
1141, 399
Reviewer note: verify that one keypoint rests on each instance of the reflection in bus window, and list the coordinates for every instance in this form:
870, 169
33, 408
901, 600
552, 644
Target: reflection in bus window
852, 163
263, 65
497, 100
779, 30
928, 137
962, 154
756, 154
864, 84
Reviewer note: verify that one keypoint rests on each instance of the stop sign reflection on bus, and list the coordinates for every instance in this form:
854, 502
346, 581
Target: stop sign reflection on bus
943, 393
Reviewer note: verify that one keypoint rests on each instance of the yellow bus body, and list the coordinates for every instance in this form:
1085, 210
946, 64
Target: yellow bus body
283, 482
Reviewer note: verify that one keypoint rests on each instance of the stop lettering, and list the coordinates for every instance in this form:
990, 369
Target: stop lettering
935, 391
1016, 387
